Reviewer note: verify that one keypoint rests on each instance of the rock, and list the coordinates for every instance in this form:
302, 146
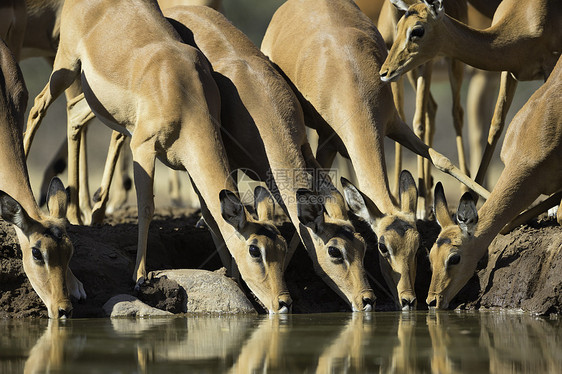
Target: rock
163, 293
130, 306
209, 292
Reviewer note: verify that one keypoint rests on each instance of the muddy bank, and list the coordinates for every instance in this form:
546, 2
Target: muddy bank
523, 271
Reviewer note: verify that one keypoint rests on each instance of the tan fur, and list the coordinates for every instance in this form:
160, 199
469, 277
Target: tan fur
524, 40
50, 350
531, 153
424, 115
50, 276
341, 94
263, 130
165, 97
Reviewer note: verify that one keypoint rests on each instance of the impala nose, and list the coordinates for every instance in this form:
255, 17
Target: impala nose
65, 313
432, 303
408, 304
368, 304
284, 307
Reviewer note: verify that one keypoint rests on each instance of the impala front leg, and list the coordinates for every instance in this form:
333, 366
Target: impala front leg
398, 97
60, 80
143, 165
420, 128
508, 84
455, 78
400, 133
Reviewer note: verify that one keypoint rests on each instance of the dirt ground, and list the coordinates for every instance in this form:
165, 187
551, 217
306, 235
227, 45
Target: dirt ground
522, 272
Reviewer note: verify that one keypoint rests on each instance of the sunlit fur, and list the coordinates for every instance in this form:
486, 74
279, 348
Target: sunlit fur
49, 274
398, 238
264, 275
408, 52
330, 227
447, 280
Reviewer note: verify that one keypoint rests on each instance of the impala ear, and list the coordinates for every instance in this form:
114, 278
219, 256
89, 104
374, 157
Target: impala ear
264, 204
359, 204
11, 211
57, 198
310, 210
232, 209
435, 7
440, 207
400, 4
467, 215
408, 193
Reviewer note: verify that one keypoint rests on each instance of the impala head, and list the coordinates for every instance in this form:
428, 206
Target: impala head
46, 249
454, 255
339, 250
260, 251
417, 39
398, 237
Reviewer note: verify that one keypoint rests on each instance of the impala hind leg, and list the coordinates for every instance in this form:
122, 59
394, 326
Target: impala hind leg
122, 182
102, 194
144, 157
79, 115
84, 202
174, 188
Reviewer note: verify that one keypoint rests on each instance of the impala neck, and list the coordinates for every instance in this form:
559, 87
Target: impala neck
509, 197
490, 49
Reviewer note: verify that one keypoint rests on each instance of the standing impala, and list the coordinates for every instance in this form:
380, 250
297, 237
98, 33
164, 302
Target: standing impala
424, 115
263, 130
532, 154
140, 79
524, 41
331, 53
46, 249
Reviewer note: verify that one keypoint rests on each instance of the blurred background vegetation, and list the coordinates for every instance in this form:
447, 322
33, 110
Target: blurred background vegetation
252, 17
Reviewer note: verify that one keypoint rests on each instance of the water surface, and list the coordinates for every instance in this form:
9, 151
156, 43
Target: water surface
393, 342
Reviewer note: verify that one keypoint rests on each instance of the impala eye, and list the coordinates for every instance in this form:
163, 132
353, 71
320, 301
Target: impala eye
454, 259
254, 251
37, 255
417, 32
383, 249
335, 253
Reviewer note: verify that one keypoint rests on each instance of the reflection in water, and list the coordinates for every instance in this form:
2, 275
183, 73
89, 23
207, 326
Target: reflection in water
263, 349
346, 352
435, 342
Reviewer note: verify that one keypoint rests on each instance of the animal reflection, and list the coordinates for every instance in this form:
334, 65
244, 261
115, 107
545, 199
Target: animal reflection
436, 342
